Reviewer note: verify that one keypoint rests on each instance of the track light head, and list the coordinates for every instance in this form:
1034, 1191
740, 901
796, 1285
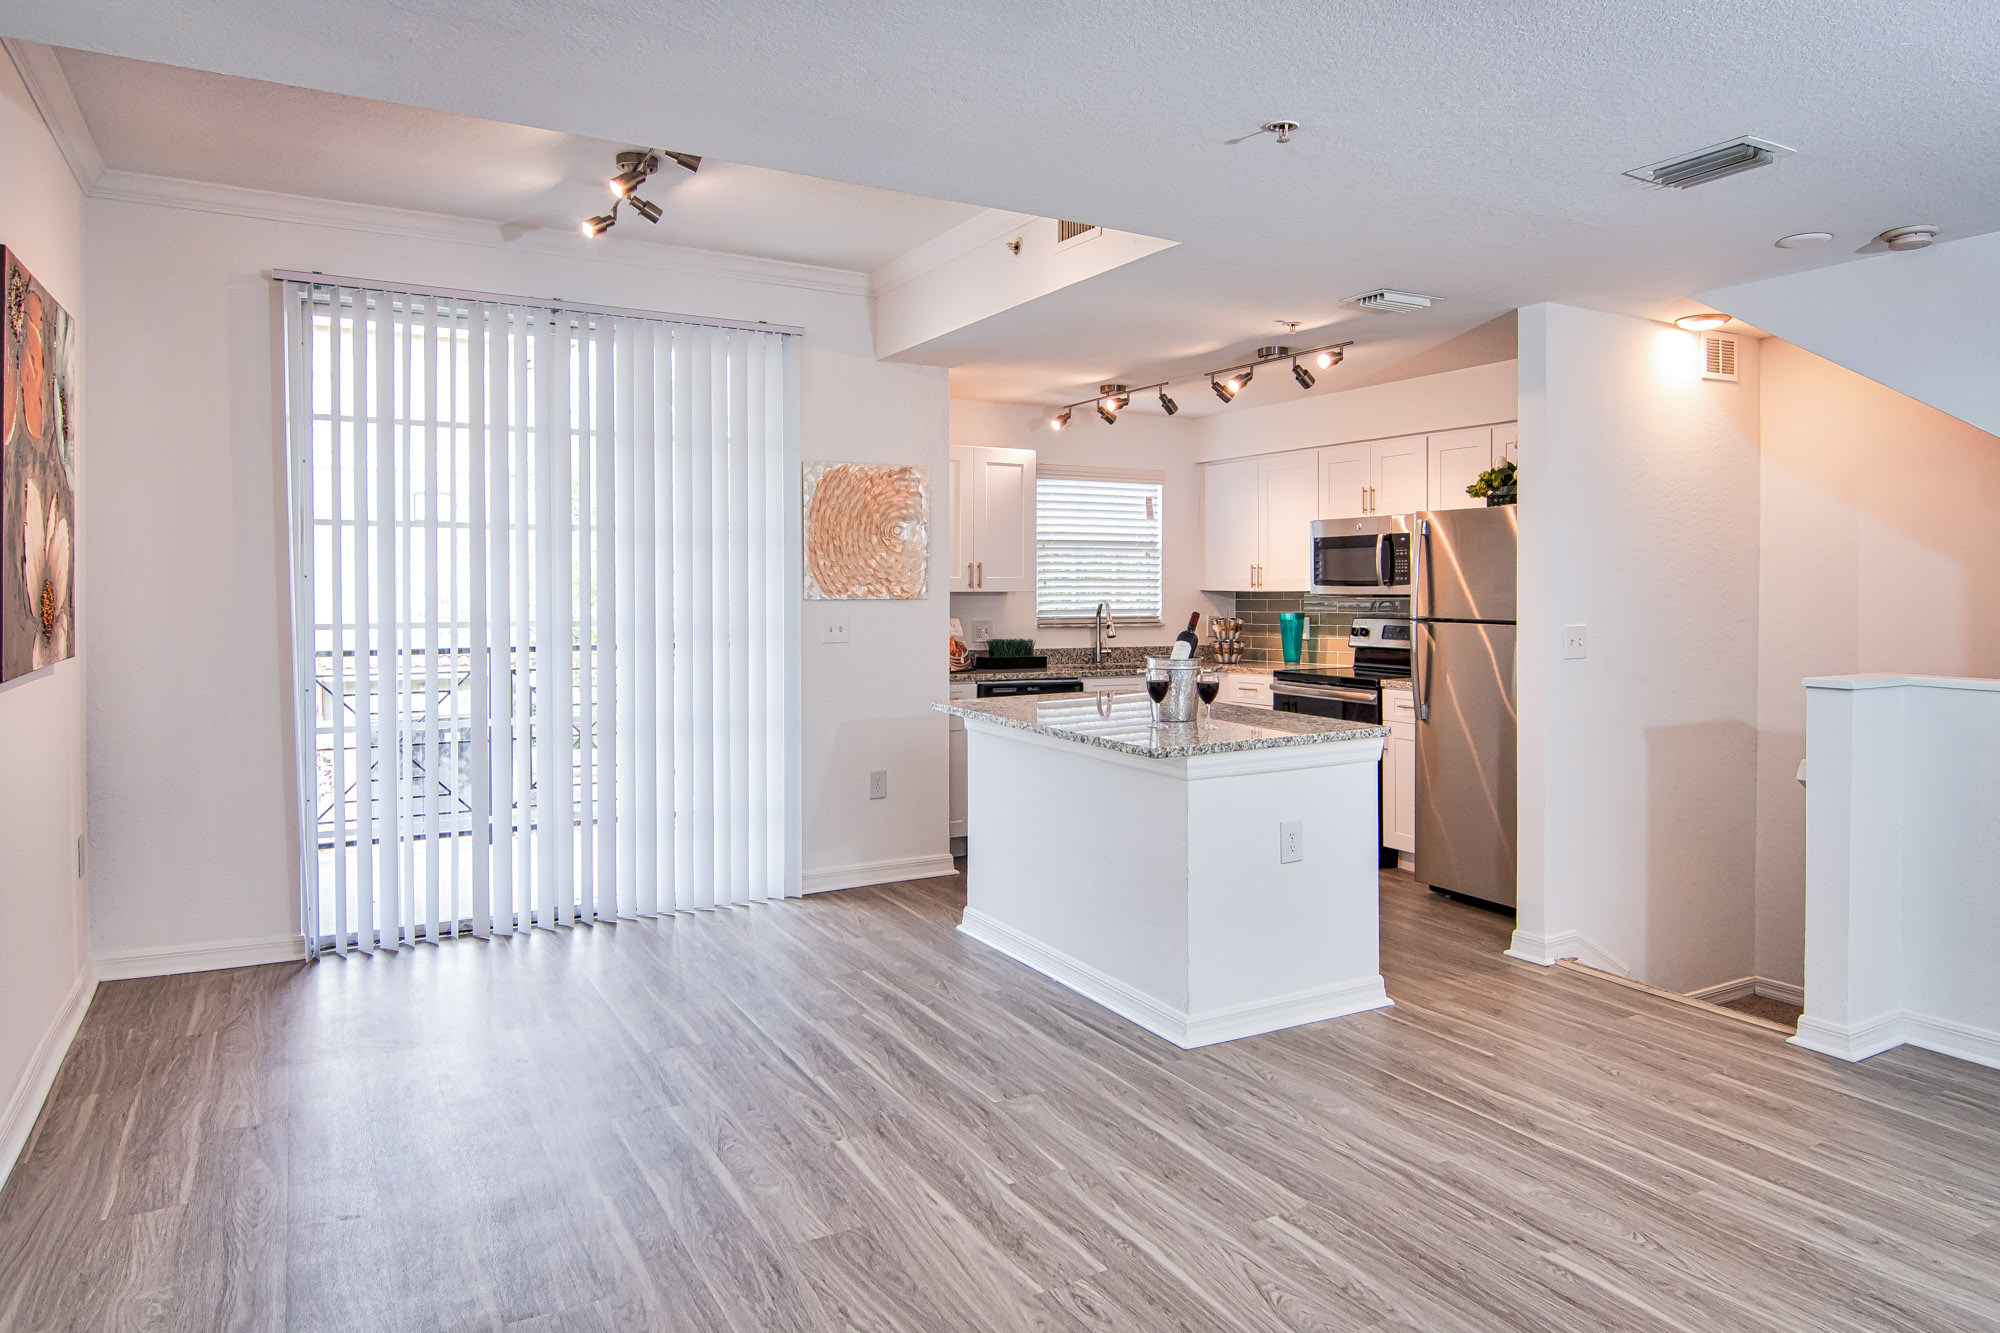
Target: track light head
1302, 375
627, 181
1110, 417
650, 212
1223, 391
600, 224
691, 161
1059, 420
1238, 378
1329, 358
1168, 405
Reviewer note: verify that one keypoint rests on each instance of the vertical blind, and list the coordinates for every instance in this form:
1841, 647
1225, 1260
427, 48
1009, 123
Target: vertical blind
1097, 539
545, 594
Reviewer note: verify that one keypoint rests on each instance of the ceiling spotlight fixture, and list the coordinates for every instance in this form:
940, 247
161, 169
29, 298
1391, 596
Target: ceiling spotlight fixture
1229, 380
635, 166
1302, 375
1226, 392
1702, 323
1059, 420
1800, 240
1239, 379
1329, 358
1110, 417
1909, 238
1168, 405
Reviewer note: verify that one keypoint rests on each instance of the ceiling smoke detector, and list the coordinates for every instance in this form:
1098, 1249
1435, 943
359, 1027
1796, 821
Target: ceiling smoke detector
1909, 238
1711, 163
1387, 300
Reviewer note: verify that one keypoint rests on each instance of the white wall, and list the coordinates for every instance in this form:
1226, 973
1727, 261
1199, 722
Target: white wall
1639, 520
1288, 419
191, 818
1903, 866
1153, 443
1922, 323
44, 961
1880, 522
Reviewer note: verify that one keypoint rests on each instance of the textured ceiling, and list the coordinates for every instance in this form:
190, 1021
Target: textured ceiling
1471, 150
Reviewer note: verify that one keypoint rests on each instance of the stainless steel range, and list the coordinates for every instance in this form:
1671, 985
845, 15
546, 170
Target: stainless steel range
1381, 652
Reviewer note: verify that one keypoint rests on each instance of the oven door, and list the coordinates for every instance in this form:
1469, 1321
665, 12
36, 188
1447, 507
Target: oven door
1338, 701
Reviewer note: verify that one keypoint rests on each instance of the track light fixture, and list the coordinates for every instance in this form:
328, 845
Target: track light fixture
635, 166
1229, 380
1328, 358
1168, 405
1226, 392
1302, 375
1059, 420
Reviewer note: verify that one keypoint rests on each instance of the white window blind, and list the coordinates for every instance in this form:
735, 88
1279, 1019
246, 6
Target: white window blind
1097, 539
545, 613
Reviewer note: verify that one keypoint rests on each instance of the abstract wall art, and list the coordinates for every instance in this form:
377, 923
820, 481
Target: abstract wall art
867, 532
37, 475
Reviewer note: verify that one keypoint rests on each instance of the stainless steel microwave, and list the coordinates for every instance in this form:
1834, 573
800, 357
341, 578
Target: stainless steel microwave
1362, 555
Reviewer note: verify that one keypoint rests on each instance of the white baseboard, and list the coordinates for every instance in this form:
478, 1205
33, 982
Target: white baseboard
124, 964
876, 872
1548, 950
24, 1103
1742, 986
1164, 1020
1858, 1041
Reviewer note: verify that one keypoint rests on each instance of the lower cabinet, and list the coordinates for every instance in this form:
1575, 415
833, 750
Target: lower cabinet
955, 804
1240, 687
1399, 771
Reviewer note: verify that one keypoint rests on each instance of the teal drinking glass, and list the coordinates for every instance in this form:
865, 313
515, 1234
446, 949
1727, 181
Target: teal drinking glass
1292, 634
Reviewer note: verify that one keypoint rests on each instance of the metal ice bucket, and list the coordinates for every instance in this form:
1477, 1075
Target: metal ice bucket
1181, 700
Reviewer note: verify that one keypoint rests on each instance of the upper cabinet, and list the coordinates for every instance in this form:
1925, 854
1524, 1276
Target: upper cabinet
1256, 518
1457, 459
1373, 477
1507, 443
992, 519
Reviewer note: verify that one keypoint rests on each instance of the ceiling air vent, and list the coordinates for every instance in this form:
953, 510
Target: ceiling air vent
1718, 356
1067, 231
1711, 163
1390, 301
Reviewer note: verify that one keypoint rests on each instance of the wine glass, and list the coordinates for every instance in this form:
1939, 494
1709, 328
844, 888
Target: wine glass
1207, 685
1157, 683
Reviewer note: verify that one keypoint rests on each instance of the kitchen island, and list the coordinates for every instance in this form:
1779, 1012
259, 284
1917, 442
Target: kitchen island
1148, 869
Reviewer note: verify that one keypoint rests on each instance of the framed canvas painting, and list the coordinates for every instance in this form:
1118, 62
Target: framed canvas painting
37, 474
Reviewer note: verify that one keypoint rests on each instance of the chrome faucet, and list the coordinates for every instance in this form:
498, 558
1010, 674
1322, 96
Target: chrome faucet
1103, 627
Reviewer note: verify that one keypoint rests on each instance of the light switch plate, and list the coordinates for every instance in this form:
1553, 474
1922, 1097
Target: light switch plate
834, 629
982, 630
1291, 841
1576, 641
878, 785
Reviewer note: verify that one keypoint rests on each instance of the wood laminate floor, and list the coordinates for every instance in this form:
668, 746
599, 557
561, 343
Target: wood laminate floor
839, 1113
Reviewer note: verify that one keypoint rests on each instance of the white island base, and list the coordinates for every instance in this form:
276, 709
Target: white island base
1153, 885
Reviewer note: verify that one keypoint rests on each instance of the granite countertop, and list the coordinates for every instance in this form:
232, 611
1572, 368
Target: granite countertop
1398, 683
1124, 723
1076, 664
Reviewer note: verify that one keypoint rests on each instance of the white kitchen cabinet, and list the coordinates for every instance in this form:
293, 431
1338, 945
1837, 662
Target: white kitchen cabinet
1256, 520
1287, 504
1507, 443
1373, 477
992, 519
1399, 771
1229, 524
1245, 689
1345, 474
1457, 459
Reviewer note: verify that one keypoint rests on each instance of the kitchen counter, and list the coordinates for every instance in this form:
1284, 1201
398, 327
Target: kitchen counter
1124, 722
1206, 881
1094, 670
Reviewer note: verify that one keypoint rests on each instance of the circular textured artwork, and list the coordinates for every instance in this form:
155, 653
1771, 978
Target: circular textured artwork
867, 532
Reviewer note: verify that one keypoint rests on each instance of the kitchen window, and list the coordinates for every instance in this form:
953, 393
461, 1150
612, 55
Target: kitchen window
1097, 539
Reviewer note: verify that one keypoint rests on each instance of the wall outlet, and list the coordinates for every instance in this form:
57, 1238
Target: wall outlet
833, 629
982, 630
1576, 641
1291, 841
878, 785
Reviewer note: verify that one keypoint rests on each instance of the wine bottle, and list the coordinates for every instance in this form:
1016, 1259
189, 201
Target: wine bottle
1185, 643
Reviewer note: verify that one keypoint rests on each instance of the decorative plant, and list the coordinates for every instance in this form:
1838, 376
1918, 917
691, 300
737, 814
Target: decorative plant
1010, 647
1497, 480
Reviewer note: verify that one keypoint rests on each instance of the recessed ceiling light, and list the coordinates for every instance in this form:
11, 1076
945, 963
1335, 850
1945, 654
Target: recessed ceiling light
1801, 240
1701, 323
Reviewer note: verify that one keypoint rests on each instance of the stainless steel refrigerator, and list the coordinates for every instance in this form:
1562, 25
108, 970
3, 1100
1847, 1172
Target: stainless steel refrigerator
1463, 661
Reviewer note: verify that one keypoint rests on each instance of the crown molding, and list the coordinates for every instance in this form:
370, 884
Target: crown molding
983, 228
131, 187
50, 92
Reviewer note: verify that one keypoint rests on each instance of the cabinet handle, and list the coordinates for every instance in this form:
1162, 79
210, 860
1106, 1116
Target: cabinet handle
982, 573
968, 575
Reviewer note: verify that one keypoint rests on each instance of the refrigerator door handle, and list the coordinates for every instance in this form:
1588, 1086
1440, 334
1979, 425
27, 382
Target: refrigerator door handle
1419, 567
